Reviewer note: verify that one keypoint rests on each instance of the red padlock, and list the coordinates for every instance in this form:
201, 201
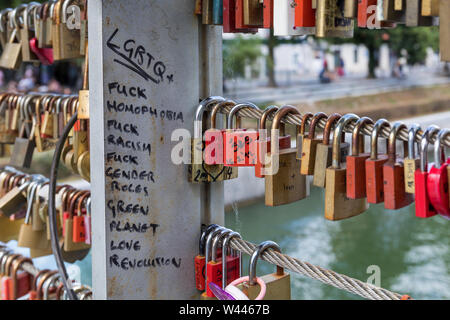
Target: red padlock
199, 260
374, 166
214, 267
214, 145
437, 182
21, 283
226, 241
268, 14
366, 10
6, 281
356, 163
240, 144
263, 144
229, 19
79, 228
305, 15
424, 208
395, 196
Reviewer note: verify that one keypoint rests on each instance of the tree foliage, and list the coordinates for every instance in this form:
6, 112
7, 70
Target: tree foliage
239, 52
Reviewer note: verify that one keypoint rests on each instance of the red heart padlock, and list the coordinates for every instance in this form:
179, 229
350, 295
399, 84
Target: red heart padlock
437, 182
264, 141
424, 208
45, 55
240, 144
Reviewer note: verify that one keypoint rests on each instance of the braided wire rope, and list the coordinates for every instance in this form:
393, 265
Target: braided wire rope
326, 276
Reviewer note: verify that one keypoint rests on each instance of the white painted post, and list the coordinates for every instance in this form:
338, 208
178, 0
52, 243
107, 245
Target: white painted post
150, 63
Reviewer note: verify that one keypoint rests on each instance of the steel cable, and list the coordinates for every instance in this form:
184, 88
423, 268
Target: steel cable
329, 277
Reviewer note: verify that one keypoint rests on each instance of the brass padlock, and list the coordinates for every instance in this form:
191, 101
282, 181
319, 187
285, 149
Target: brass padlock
390, 14
412, 162
337, 205
278, 284
3, 26
330, 20
253, 13
325, 150
444, 29
283, 182
414, 17
430, 8
12, 54
83, 96
309, 148
13, 201
399, 5
351, 8
301, 134
26, 33
66, 42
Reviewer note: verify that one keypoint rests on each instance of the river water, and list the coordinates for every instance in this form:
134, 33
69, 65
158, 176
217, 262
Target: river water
413, 255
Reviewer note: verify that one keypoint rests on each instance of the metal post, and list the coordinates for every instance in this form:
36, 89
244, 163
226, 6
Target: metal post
150, 64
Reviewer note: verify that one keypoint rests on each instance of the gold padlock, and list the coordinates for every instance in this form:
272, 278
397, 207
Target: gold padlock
337, 205
430, 8
278, 284
444, 29
83, 96
330, 20
283, 182
411, 163
12, 54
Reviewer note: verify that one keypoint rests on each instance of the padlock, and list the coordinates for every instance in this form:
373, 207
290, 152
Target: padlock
11, 57
240, 145
214, 266
88, 223
66, 42
284, 20
6, 280
253, 13
198, 171
395, 196
83, 95
437, 182
367, 15
309, 147
268, 13
263, 144
207, 11
430, 8
412, 162
337, 205
283, 182
208, 244
330, 20
238, 270
444, 29
351, 9
37, 223
217, 12
305, 14
26, 32
399, 5
3, 29
325, 151
28, 238
374, 165
49, 288
356, 163
414, 17
21, 283
42, 280
69, 244
22, 154
79, 227
229, 19
199, 260
278, 284
13, 201
307, 117
424, 208
390, 14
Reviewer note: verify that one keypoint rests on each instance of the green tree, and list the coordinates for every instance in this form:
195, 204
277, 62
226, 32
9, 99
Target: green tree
238, 53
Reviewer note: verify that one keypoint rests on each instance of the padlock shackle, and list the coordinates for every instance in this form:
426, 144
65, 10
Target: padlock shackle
314, 122
236, 109
439, 148
357, 144
225, 245
31, 195
202, 241
216, 242
48, 284
16, 266
219, 106
392, 148
306, 117
201, 108
43, 279
276, 124
3, 16
265, 115
424, 146
374, 137
412, 140
209, 238
337, 137
263, 246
